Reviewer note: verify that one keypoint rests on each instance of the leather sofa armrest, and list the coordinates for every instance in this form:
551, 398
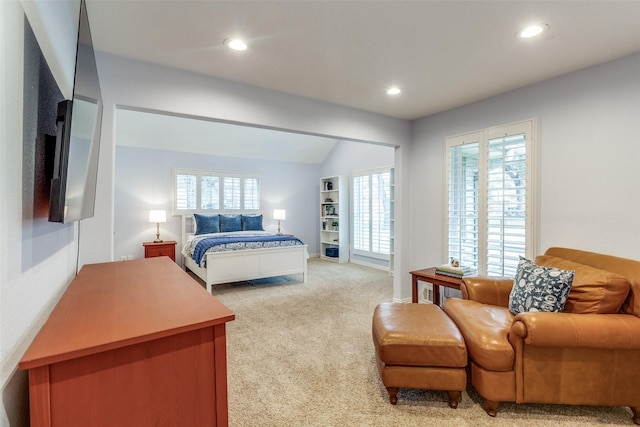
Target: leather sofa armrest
572, 330
487, 290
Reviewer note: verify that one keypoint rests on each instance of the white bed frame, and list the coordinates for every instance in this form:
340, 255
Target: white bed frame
246, 264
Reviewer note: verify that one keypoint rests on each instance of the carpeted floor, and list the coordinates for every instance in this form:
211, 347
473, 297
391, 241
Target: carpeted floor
301, 354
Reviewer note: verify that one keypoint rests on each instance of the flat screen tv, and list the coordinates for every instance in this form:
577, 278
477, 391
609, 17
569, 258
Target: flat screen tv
77, 140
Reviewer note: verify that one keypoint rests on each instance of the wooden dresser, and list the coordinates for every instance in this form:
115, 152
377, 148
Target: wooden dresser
136, 343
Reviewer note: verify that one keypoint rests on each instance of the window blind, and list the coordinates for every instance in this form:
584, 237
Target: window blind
207, 191
251, 193
489, 198
372, 213
210, 190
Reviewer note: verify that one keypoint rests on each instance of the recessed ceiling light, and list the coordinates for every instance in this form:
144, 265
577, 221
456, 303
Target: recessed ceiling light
532, 31
393, 91
235, 44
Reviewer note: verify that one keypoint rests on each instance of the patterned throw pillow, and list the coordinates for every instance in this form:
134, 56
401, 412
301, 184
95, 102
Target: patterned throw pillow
537, 288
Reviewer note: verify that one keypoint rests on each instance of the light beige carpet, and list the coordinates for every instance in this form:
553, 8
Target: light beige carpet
301, 354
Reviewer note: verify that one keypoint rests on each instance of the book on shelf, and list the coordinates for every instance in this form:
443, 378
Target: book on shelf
448, 270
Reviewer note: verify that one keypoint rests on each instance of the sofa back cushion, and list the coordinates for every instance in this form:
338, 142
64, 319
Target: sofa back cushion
593, 290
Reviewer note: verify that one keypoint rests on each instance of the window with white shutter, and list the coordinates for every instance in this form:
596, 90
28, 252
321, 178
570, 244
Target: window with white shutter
186, 192
251, 193
489, 209
212, 191
231, 192
372, 213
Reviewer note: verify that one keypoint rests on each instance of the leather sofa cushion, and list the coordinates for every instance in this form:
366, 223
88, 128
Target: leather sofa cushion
417, 335
485, 329
593, 290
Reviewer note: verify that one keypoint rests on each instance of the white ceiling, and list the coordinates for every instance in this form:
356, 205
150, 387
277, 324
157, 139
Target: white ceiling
443, 54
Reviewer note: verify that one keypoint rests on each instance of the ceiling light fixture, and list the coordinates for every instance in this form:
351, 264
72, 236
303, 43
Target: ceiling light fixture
235, 44
393, 91
532, 31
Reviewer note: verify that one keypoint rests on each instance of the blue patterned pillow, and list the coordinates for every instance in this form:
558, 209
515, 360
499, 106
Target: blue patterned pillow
252, 222
537, 288
206, 224
230, 223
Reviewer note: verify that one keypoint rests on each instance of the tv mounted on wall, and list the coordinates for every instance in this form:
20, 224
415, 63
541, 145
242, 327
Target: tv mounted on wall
77, 140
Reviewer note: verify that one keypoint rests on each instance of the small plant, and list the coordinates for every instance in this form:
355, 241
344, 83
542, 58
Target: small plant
335, 225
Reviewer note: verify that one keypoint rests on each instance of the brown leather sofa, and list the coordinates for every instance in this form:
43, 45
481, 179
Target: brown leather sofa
587, 355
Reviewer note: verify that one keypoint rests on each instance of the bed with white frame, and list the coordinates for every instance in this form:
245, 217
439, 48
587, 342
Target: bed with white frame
244, 264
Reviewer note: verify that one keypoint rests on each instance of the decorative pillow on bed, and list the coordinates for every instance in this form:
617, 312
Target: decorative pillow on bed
206, 224
252, 222
230, 223
537, 288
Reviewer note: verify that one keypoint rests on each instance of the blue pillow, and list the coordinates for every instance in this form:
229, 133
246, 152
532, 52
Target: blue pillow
252, 222
537, 288
206, 224
230, 223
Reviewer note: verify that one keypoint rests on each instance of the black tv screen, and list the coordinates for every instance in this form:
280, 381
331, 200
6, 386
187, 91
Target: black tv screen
75, 169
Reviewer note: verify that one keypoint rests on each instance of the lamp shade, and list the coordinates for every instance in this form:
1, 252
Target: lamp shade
158, 216
279, 214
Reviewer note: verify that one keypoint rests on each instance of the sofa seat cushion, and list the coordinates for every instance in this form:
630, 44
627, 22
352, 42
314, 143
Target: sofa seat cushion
485, 329
593, 290
417, 335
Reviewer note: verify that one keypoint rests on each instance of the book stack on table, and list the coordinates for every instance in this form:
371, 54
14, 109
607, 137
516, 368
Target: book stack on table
457, 272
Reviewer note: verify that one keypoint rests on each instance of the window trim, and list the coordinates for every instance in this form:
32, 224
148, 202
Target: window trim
483, 136
221, 175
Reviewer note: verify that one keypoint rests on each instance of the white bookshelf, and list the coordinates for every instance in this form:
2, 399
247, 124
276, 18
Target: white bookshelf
334, 218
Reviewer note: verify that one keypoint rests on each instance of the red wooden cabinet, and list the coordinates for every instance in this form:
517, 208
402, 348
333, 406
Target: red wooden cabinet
152, 249
135, 343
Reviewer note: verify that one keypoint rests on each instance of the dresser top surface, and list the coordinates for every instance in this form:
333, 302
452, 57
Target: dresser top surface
116, 304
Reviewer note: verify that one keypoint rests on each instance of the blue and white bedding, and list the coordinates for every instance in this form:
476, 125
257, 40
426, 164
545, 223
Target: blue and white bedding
201, 244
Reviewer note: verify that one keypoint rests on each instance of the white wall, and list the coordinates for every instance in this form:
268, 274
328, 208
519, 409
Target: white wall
145, 86
37, 260
140, 186
588, 123
344, 159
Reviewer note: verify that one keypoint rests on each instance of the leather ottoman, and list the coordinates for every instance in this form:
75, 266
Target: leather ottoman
419, 346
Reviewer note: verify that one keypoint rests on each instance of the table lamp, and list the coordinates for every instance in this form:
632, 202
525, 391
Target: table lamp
157, 216
279, 214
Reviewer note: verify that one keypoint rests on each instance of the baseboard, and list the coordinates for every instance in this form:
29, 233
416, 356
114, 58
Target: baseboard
366, 264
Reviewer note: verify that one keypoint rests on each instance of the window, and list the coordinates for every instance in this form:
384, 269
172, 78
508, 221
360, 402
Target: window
489, 209
210, 191
372, 213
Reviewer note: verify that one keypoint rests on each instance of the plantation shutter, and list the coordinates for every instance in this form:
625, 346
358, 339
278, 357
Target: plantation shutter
251, 193
371, 218
231, 190
506, 203
489, 198
361, 196
186, 191
463, 200
210, 192
381, 213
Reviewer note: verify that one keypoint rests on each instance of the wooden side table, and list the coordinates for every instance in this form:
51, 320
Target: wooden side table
429, 275
166, 248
